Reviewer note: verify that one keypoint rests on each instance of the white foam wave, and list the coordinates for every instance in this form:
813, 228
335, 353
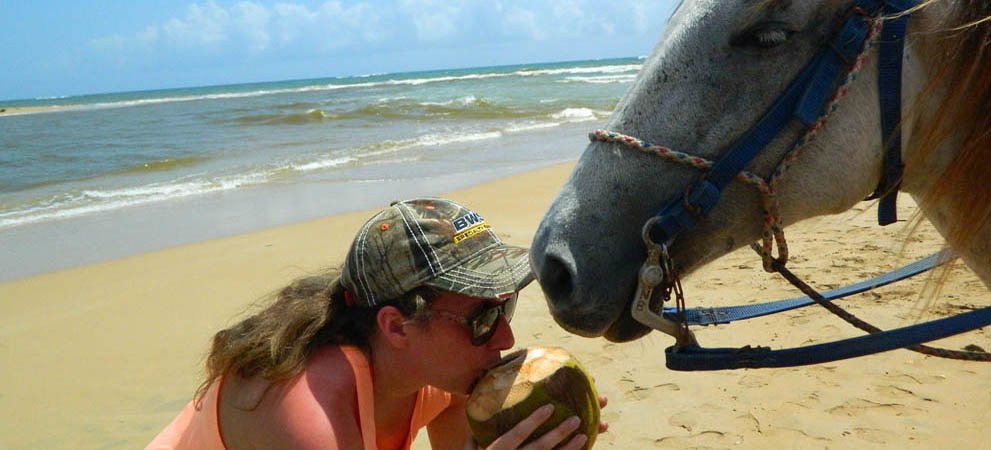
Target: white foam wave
431, 140
578, 114
519, 128
427, 140
322, 164
604, 79
467, 100
623, 68
94, 201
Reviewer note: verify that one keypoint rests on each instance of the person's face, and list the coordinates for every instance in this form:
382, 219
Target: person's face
469, 334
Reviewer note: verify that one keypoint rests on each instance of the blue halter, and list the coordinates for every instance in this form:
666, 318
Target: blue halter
804, 100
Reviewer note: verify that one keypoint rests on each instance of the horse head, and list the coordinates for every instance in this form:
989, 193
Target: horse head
717, 70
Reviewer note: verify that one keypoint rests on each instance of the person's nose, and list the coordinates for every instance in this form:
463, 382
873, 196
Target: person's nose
503, 338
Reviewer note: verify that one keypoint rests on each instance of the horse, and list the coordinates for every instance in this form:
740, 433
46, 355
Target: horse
718, 67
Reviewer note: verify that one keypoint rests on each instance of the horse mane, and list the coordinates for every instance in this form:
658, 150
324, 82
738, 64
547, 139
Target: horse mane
956, 46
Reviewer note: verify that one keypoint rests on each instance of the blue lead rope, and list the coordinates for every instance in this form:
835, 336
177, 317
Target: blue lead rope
695, 358
727, 314
698, 358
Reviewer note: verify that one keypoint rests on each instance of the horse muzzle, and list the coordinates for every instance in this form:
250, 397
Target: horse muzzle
575, 294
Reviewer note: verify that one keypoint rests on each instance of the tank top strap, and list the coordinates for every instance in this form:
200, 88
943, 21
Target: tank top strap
364, 389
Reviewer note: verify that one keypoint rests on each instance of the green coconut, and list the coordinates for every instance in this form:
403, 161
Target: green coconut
526, 380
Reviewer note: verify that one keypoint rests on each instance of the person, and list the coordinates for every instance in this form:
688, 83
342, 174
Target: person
365, 357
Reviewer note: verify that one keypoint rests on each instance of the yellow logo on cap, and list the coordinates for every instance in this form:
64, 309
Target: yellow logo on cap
480, 228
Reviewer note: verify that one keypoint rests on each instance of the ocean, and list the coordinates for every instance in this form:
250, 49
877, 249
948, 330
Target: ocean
95, 177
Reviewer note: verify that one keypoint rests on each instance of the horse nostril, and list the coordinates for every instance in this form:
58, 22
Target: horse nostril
556, 279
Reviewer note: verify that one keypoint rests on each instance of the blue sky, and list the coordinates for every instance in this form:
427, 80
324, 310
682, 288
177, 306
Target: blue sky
56, 48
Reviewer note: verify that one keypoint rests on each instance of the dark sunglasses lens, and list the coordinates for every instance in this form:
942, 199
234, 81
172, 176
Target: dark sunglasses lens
483, 326
509, 307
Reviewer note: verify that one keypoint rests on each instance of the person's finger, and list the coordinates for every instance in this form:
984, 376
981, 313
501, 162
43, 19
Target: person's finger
552, 438
519, 433
603, 401
575, 443
603, 427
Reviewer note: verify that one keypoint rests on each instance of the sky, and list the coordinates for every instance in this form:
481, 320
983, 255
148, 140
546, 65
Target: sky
51, 48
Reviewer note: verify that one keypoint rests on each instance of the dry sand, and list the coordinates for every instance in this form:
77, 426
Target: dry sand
103, 356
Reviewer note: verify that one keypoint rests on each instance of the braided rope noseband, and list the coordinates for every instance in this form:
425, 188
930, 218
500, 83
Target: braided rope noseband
773, 232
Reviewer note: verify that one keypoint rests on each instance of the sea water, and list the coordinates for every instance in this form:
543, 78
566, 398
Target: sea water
94, 177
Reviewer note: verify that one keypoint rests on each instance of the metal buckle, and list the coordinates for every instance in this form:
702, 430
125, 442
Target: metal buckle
658, 270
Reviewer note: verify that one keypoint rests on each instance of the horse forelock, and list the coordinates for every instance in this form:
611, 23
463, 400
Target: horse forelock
957, 46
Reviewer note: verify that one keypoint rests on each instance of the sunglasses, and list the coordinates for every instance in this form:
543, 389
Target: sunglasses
484, 320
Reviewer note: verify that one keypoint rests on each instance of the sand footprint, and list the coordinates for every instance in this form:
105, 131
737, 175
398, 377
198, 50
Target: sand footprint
897, 392
635, 392
683, 421
747, 422
901, 377
873, 435
753, 381
857, 406
797, 438
703, 439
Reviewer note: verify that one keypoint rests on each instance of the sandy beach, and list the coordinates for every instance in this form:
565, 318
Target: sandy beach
103, 356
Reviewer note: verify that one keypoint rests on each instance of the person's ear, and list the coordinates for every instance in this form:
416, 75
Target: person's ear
392, 325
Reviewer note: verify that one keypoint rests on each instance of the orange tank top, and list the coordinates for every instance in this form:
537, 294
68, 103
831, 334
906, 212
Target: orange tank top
197, 426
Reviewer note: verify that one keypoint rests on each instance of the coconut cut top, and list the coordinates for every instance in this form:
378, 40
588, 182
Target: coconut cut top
513, 380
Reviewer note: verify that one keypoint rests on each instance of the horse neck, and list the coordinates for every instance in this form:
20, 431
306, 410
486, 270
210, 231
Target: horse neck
948, 143
976, 253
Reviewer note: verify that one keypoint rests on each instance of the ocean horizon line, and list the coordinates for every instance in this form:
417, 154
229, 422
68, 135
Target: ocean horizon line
59, 101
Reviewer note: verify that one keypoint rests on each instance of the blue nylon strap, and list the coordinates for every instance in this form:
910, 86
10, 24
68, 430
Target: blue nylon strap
675, 217
727, 314
890, 53
804, 98
698, 358
703, 196
845, 46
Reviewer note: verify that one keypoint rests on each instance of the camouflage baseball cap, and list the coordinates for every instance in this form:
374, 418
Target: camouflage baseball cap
432, 242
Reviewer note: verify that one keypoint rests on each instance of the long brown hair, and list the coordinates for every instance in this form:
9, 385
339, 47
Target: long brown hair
275, 342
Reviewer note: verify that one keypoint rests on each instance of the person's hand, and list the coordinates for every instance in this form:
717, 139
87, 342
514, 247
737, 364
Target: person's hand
603, 427
516, 435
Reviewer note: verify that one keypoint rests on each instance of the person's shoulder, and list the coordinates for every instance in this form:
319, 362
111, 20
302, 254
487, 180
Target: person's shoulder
327, 382
317, 406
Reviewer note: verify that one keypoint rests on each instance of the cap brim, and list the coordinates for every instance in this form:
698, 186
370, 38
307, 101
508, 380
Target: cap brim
490, 274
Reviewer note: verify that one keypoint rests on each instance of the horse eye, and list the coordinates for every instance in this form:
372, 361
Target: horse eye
765, 36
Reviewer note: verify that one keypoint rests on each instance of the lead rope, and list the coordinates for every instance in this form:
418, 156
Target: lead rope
772, 229
860, 323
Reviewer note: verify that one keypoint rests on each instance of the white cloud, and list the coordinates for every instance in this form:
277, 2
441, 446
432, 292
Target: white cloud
251, 21
521, 22
434, 20
207, 25
260, 29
